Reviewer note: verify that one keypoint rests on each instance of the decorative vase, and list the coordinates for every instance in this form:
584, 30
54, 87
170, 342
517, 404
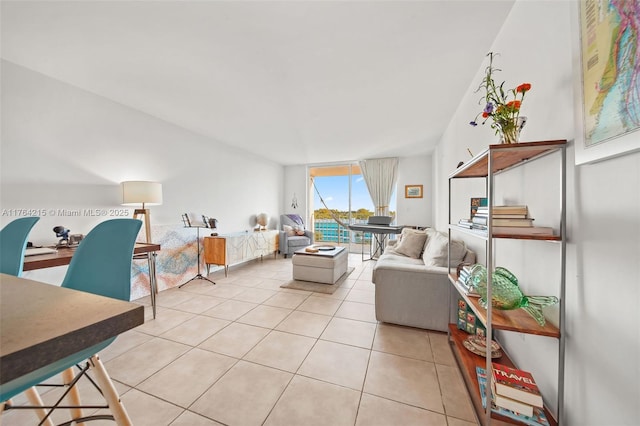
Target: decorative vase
510, 131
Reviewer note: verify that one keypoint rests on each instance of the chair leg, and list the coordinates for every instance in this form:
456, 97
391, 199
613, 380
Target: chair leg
110, 393
34, 399
74, 394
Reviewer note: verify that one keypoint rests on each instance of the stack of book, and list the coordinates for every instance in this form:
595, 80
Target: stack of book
509, 216
515, 389
513, 219
464, 276
537, 417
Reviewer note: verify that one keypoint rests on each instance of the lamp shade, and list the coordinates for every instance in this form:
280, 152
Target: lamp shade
141, 192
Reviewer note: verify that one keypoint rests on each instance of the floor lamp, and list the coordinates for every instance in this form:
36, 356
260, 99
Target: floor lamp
135, 192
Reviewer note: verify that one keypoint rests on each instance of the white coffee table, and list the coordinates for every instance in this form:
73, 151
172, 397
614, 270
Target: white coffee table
325, 266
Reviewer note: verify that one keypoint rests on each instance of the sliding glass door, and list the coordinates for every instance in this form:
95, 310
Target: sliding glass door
339, 197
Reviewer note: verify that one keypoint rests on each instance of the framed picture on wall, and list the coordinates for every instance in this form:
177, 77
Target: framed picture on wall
607, 112
413, 191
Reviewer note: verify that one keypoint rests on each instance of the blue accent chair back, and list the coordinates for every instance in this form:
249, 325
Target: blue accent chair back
102, 262
101, 265
13, 241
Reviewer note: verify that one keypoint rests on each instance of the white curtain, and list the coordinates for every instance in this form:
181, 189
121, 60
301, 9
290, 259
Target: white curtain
380, 174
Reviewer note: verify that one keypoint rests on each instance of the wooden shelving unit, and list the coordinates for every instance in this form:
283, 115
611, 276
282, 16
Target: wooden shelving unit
511, 320
494, 160
504, 157
468, 363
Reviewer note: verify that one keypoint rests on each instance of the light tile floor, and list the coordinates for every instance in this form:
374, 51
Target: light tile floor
247, 352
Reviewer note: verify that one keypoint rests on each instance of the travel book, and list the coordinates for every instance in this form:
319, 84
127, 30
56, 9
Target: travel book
515, 384
537, 419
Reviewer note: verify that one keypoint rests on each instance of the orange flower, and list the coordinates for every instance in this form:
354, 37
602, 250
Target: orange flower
524, 87
514, 104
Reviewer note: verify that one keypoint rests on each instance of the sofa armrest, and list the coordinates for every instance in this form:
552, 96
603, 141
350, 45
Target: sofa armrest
283, 246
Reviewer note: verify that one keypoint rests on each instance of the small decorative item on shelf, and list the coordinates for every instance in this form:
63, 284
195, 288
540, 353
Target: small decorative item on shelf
506, 293
503, 111
478, 345
467, 320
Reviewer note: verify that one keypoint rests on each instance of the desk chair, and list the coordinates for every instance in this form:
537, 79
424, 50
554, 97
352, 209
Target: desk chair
13, 241
101, 265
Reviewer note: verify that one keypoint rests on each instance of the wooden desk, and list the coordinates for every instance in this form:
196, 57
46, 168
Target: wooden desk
43, 323
63, 257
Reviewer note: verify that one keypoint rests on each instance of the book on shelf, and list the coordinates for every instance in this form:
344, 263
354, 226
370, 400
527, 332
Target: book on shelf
465, 223
463, 279
537, 419
509, 216
512, 222
513, 405
521, 209
518, 223
523, 230
515, 384
477, 202
481, 220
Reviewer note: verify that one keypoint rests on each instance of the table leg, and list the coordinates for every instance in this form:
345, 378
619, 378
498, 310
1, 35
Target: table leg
151, 258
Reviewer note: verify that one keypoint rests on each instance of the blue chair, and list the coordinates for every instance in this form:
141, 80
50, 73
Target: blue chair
101, 265
13, 241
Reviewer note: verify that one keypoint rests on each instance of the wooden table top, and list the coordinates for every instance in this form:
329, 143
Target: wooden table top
43, 323
63, 256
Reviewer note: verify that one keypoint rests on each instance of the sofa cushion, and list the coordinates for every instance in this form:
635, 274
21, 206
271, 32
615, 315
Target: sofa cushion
411, 243
436, 251
298, 241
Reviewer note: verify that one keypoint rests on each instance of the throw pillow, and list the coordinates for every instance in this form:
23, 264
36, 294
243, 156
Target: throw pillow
289, 230
299, 230
436, 252
412, 243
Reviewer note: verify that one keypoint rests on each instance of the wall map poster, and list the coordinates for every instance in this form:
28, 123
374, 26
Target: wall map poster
610, 43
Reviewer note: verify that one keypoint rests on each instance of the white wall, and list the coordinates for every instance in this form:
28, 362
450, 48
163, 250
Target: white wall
67, 149
295, 182
416, 170
603, 249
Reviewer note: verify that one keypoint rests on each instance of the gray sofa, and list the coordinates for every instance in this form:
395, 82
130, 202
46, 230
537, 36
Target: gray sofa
412, 287
289, 240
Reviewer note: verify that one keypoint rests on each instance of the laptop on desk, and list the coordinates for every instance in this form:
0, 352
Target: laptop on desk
379, 220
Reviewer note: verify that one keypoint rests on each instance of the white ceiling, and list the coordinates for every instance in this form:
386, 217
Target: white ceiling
297, 81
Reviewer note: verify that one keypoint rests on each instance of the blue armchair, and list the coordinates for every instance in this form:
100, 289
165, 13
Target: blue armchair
289, 240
